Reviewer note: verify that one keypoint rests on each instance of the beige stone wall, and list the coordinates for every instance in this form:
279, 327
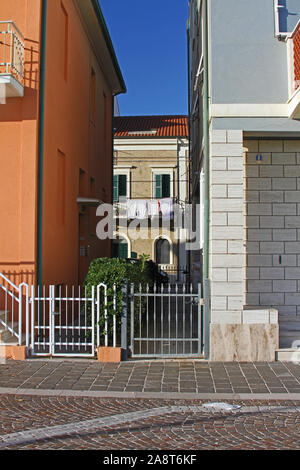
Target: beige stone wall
141, 164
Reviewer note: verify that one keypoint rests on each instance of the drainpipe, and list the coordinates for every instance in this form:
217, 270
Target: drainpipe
189, 110
189, 123
41, 136
113, 156
179, 200
206, 180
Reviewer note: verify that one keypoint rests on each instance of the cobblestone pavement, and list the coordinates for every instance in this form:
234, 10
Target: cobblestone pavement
69, 423
152, 376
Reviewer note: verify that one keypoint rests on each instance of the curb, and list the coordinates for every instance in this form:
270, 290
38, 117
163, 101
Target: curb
153, 395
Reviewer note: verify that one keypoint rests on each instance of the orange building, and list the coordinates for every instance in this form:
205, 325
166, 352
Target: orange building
58, 78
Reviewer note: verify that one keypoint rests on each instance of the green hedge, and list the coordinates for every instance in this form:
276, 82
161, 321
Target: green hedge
110, 271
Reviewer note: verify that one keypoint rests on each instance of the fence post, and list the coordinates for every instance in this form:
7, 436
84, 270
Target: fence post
98, 317
200, 308
32, 319
206, 317
51, 319
27, 332
93, 319
124, 324
20, 315
132, 319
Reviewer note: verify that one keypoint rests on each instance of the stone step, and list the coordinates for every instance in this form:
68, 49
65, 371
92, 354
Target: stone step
4, 334
288, 355
6, 337
11, 340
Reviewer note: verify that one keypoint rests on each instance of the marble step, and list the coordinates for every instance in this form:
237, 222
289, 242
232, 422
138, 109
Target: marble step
5, 334
288, 355
11, 340
6, 337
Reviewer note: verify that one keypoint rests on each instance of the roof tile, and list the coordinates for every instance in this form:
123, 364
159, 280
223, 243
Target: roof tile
151, 126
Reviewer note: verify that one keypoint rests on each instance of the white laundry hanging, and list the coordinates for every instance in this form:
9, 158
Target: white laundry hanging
131, 209
141, 209
166, 207
153, 208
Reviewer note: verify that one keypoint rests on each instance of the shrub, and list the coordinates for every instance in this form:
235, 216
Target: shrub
110, 271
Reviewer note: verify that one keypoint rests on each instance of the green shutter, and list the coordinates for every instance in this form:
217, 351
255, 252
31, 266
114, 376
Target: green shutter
122, 185
158, 186
166, 183
116, 189
115, 249
123, 250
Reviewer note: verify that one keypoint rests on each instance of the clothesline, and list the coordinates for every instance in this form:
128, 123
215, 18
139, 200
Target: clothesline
144, 208
175, 199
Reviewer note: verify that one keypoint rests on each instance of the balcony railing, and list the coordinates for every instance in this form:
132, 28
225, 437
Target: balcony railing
11, 58
293, 48
296, 47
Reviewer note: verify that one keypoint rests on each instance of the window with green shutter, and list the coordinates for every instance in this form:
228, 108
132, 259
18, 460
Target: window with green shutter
120, 248
116, 189
162, 186
123, 250
166, 185
158, 186
120, 187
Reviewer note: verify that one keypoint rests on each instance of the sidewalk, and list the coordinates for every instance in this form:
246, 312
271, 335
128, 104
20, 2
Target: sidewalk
151, 379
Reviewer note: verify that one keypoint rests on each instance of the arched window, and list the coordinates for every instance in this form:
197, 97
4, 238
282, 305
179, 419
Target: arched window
120, 248
162, 251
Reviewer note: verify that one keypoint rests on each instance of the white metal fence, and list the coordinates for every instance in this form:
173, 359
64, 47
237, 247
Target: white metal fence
11, 309
164, 320
56, 320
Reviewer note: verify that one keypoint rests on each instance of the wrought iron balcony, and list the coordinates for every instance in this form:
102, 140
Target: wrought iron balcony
294, 54
296, 44
11, 60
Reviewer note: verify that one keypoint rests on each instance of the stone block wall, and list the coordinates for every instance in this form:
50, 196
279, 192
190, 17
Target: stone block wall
237, 333
226, 226
272, 220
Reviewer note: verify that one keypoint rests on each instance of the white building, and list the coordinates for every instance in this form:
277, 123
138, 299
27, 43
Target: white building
245, 149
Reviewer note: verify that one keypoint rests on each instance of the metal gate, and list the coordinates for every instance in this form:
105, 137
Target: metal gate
166, 321
67, 323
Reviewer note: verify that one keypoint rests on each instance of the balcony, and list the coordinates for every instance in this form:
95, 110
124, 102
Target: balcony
11, 61
294, 55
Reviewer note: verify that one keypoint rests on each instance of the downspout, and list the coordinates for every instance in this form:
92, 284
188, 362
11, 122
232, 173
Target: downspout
206, 284
41, 135
206, 141
112, 163
189, 110
179, 201
189, 124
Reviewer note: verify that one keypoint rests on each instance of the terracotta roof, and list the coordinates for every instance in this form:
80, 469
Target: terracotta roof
151, 126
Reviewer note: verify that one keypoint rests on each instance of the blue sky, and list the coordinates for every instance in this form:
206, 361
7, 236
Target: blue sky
149, 38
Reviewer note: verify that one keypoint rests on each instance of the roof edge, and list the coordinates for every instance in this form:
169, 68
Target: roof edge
108, 41
150, 115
